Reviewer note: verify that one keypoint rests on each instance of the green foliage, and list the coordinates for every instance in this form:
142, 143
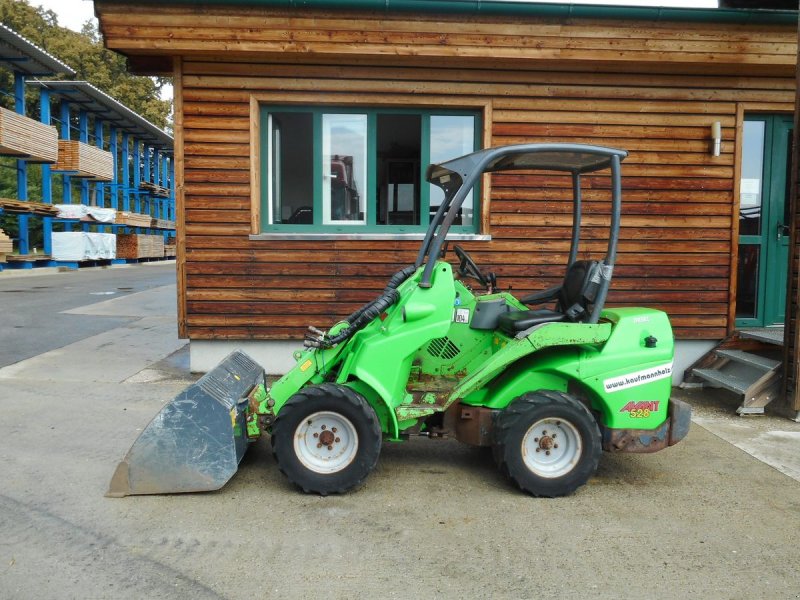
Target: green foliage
85, 53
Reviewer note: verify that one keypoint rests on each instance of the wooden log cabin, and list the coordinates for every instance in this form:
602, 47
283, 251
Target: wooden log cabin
303, 130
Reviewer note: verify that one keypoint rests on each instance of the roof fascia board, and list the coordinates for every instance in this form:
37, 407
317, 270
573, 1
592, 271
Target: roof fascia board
506, 7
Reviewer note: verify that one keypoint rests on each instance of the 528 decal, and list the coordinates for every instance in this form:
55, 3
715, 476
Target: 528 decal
641, 410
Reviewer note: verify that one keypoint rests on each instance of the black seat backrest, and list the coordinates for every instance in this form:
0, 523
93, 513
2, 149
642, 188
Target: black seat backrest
579, 289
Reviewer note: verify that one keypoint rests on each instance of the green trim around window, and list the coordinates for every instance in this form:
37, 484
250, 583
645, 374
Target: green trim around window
371, 204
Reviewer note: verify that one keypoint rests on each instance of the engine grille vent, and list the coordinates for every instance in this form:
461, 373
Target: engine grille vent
443, 348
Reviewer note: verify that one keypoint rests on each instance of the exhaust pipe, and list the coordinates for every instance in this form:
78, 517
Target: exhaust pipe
196, 442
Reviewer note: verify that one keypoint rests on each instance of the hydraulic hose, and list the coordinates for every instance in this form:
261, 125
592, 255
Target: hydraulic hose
369, 311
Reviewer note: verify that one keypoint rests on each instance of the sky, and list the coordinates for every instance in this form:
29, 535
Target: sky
74, 13
71, 13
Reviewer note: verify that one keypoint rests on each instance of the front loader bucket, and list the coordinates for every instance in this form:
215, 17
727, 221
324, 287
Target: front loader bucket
197, 440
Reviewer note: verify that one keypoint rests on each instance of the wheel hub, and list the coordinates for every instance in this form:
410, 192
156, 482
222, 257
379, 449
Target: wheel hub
546, 443
326, 442
326, 438
551, 447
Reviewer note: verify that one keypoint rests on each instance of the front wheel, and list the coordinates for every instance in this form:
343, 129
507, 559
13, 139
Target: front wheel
547, 443
326, 439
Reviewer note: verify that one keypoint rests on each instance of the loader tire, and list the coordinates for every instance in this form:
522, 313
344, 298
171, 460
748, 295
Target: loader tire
547, 443
326, 439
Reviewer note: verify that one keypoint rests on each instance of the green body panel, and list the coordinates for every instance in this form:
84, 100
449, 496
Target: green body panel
381, 354
422, 355
626, 382
514, 349
625, 371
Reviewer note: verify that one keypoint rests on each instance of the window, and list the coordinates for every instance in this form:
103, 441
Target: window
353, 170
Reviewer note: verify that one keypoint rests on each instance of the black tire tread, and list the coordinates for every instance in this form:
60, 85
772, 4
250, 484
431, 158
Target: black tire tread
341, 395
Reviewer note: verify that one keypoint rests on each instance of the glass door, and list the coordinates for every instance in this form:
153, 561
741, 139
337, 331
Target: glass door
764, 220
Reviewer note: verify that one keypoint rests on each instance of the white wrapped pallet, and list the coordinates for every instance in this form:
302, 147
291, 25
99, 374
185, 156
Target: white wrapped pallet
80, 245
72, 211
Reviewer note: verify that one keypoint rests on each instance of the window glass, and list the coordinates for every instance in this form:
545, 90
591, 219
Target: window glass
747, 282
398, 153
291, 160
750, 187
344, 168
452, 136
329, 168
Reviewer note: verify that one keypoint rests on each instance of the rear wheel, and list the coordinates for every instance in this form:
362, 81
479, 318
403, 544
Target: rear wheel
547, 443
326, 439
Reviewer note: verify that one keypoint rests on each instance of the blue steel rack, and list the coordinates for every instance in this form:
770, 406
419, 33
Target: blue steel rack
141, 152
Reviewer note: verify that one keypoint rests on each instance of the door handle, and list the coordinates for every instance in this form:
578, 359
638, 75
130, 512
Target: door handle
783, 231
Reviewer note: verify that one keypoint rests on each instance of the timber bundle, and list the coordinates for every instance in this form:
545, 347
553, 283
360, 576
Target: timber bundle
25, 137
83, 160
138, 245
154, 189
35, 208
6, 245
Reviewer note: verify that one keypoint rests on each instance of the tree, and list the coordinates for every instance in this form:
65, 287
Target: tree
84, 52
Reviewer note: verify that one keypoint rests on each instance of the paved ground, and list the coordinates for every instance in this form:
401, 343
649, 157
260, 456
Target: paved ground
32, 302
704, 519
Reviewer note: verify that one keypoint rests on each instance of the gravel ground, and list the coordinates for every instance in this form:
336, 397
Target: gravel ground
703, 519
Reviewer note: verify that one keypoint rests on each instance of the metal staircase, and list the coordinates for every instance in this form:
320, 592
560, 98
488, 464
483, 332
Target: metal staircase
747, 364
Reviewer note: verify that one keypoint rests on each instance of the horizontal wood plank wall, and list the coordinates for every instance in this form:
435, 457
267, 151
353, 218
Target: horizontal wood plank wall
676, 236
644, 45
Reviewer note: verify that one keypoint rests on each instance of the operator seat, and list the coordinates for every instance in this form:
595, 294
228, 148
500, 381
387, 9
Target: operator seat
574, 298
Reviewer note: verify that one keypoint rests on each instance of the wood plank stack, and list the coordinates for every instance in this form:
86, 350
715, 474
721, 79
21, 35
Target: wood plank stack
137, 245
162, 224
83, 160
27, 258
6, 246
133, 219
34, 208
154, 189
27, 138
170, 250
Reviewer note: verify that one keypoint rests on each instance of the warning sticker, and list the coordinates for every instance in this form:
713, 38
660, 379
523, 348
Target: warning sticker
461, 315
615, 384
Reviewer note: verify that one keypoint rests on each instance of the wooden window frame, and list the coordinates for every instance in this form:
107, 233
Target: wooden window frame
371, 103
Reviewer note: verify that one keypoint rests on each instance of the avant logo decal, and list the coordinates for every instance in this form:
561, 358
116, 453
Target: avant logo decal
615, 384
641, 410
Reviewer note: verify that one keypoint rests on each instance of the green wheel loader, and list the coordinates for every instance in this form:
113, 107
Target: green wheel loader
547, 380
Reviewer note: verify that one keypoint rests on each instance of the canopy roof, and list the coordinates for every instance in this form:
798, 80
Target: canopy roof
571, 158
100, 104
24, 56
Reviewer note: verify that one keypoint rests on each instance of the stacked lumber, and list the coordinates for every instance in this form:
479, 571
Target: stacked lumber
170, 250
83, 160
26, 258
34, 208
137, 245
133, 219
154, 189
162, 224
6, 245
27, 138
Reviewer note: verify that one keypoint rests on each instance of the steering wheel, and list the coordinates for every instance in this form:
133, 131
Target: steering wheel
467, 266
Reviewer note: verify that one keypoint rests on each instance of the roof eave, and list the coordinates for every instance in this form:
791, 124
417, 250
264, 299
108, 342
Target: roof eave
511, 8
